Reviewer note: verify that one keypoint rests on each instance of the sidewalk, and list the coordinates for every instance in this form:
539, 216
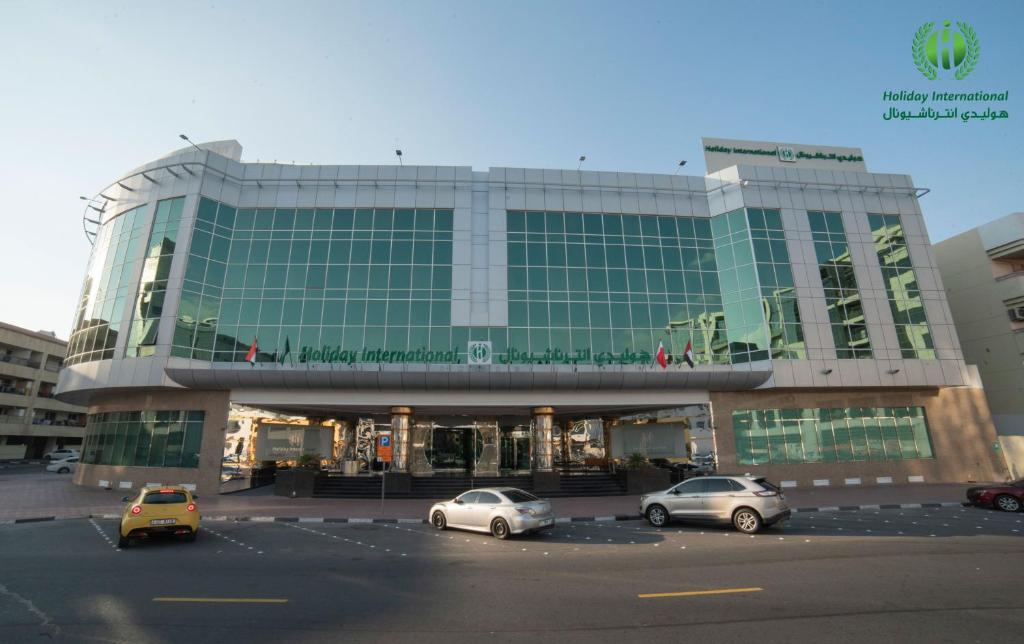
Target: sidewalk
24, 497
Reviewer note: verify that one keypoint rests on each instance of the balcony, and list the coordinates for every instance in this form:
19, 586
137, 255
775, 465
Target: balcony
1010, 287
24, 362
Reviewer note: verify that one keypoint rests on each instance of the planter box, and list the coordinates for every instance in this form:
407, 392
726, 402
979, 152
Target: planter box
646, 479
547, 482
295, 483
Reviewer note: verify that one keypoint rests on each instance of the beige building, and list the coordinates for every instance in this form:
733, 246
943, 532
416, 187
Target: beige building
32, 421
983, 271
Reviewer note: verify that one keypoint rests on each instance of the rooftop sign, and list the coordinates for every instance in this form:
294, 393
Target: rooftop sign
724, 153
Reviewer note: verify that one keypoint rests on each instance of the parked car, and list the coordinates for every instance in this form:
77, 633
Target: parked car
748, 502
63, 466
61, 454
1008, 497
159, 510
501, 511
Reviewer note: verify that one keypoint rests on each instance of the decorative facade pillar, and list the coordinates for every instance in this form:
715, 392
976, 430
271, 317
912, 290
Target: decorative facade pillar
401, 419
345, 435
543, 419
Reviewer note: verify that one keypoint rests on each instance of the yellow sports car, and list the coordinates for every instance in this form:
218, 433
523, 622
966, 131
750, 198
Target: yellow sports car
169, 510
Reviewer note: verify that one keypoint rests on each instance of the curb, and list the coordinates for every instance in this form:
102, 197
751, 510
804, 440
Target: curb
558, 520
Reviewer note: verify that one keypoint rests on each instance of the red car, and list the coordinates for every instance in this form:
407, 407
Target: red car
1008, 497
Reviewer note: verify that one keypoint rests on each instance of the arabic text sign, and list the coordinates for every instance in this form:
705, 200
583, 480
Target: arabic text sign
723, 153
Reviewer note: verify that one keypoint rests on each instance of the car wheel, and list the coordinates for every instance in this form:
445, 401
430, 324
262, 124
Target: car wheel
1007, 503
747, 521
63, 470
438, 520
499, 528
657, 516
191, 536
122, 542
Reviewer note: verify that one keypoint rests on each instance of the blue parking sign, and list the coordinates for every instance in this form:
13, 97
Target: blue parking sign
385, 441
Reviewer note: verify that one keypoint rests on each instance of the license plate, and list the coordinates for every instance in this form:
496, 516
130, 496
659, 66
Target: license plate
161, 522
546, 521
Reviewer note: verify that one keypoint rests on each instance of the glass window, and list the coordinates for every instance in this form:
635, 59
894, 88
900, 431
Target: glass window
718, 485
147, 439
693, 486
901, 286
830, 435
488, 498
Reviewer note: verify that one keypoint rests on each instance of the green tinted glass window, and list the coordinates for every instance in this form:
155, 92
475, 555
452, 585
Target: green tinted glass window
830, 435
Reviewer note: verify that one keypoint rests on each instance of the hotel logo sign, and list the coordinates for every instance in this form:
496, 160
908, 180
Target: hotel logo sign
479, 352
787, 154
946, 51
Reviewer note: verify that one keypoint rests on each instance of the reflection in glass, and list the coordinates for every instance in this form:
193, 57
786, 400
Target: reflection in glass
142, 438
830, 435
901, 286
842, 297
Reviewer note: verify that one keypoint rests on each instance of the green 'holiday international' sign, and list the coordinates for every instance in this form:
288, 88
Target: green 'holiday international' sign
335, 354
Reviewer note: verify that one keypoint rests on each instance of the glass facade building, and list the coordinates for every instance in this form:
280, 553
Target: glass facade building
518, 320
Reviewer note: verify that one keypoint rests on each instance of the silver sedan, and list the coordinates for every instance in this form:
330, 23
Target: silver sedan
501, 511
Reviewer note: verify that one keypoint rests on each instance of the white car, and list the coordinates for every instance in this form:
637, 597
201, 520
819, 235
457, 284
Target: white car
63, 466
61, 454
501, 511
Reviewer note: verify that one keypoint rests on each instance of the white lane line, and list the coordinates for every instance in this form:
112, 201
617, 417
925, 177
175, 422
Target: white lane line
103, 534
227, 538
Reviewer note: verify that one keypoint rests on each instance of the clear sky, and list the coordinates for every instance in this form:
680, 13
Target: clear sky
93, 89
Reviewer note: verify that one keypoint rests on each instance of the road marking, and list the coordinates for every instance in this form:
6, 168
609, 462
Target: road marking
220, 600
103, 534
695, 593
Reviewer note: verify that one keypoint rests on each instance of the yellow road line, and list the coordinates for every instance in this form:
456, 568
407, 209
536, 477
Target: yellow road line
694, 593
220, 600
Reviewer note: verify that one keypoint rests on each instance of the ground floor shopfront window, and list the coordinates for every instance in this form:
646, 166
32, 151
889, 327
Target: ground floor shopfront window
833, 435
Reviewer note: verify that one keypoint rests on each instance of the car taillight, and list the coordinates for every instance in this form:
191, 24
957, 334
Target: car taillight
137, 509
766, 493
524, 510
191, 507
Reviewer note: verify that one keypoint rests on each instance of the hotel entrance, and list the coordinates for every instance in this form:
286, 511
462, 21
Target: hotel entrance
515, 449
471, 448
452, 449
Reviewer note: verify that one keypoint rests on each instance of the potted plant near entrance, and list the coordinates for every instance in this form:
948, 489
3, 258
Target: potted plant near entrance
640, 477
300, 480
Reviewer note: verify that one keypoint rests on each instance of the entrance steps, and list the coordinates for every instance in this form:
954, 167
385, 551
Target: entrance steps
447, 487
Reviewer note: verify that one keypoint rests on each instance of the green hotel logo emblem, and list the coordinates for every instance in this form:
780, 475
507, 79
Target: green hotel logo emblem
940, 51
479, 352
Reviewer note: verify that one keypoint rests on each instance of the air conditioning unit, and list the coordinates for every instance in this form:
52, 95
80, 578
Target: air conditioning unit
1016, 313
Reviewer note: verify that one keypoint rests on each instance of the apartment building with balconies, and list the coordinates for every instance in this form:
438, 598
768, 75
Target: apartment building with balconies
32, 420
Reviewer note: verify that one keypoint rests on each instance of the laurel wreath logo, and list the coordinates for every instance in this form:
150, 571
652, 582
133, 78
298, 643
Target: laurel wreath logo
920, 60
973, 50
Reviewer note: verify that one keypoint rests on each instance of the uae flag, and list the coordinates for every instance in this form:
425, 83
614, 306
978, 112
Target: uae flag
250, 357
661, 357
688, 353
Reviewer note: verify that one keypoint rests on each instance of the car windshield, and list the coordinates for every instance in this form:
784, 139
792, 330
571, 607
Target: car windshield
518, 496
165, 497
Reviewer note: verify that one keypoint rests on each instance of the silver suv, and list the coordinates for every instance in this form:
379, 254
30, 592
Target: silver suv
745, 501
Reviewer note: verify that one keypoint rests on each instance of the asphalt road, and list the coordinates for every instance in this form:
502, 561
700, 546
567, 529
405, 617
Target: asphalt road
929, 575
